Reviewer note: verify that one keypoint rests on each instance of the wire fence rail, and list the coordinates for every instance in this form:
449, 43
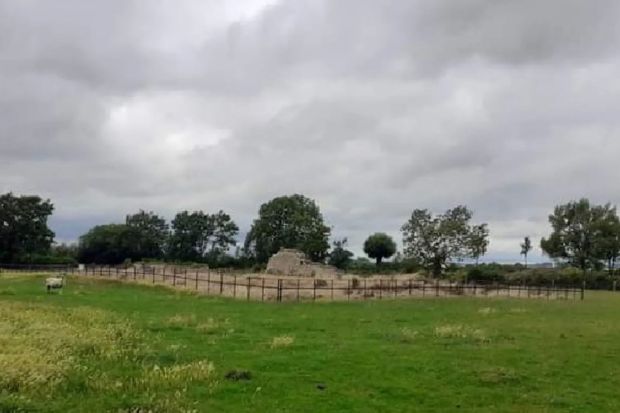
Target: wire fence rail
261, 287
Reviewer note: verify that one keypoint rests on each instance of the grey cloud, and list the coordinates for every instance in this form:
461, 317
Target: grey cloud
372, 108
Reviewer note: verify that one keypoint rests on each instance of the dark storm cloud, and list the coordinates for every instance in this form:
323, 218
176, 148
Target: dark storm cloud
372, 108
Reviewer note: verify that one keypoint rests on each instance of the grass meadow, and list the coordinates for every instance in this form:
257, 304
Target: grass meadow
103, 346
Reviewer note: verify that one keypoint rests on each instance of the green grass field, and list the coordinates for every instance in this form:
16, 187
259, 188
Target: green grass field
105, 346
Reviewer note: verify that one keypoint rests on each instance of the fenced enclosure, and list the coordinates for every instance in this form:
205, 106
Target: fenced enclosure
262, 287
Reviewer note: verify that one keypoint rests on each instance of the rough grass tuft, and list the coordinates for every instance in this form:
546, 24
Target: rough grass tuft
408, 335
487, 310
282, 341
460, 331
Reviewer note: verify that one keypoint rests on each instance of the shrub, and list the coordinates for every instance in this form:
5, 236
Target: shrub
485, 273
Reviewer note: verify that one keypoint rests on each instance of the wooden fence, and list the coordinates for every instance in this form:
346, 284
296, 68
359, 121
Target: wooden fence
259, 287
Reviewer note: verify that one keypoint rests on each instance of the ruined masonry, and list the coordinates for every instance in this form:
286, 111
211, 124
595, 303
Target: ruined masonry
294, 262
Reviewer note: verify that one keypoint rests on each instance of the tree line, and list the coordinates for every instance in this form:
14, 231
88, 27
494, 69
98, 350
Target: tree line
583, 235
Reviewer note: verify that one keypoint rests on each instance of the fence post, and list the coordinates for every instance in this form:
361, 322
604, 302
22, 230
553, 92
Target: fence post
436, 288
298, 289
332, 289
395, 288
174, 276
196, 280
364, 288
348, 290
249, 286
279, 294
314, 290
262, 290
410, 285
380, 288
208, 282
583, 289
221, 283
234, 286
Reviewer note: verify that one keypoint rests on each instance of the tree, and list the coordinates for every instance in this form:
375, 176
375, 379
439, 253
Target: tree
578, 233
224, 234
526, 247
433, 241
288, 222
478, 241
151, 233
379, 246
108, 244
61, 254
197, 236
340, 257
608, 244
23, 227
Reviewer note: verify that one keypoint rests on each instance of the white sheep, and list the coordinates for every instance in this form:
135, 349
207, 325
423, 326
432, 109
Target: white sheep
55, 283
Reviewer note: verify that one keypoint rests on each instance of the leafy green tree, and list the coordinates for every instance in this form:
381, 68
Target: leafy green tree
339, 256
608, 242
478, 241
379, 246
578, 233
224, 234
197, 236
288, 222
189, 234
434, 241
23, 227
108, 244
61, 254
526, 247
151, 233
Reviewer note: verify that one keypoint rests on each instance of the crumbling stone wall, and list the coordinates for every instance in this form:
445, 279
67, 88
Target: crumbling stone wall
294, 262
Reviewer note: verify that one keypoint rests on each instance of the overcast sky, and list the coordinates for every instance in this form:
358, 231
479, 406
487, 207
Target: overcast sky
372, 108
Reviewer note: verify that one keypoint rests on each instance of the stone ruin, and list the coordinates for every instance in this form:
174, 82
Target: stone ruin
294, 262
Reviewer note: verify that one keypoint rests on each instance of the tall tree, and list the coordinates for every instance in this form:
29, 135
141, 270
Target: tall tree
608, 244
197, 236
526, 247
188, 238
339, 256
224, 234
108, 244
379, 246
433, 241
577, 233
23, 227
293, 221
478, 241
151, 232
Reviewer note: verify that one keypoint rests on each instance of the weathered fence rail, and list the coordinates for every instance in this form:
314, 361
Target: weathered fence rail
266, 288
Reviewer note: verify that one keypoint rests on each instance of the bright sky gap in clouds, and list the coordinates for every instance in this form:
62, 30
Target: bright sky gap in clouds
371, 108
